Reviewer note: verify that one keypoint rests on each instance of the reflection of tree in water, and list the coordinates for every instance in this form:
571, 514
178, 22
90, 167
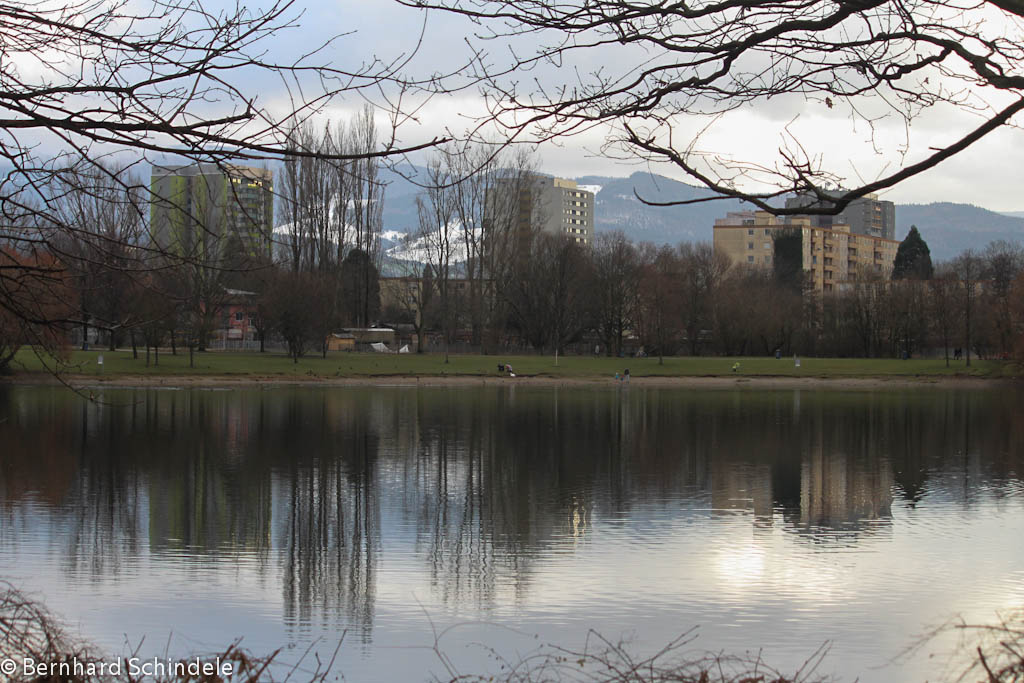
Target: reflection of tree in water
490, 479
61, 452
501, 476
206, 495
329, 531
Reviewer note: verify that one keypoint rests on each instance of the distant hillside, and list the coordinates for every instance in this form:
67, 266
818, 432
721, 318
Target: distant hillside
948, 228
400, 197
618, 208
951, 228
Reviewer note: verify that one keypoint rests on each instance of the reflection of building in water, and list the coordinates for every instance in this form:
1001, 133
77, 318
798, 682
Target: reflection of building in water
742, 486
813, 477
839, 490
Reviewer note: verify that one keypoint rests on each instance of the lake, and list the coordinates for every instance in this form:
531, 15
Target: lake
478, 525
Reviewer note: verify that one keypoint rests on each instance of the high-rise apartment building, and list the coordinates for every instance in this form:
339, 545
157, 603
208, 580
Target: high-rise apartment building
868, 215
202, 208
539, 202
832, 255
559, 207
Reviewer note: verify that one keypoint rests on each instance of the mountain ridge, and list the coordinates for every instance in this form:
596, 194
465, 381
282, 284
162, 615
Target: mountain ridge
949, 228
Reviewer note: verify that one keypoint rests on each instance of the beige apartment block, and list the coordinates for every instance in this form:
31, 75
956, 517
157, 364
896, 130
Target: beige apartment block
560, 207
832, 256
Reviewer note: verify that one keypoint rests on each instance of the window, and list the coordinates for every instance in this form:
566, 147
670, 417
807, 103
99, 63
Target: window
239, 316
767, 245
768, 260
814, 259
750, 245
750, 231
750, 259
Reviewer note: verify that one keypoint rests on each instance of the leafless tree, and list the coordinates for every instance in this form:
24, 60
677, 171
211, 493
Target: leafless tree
102, 211
941, 308
550, 292
438, 236
967, 268
1004, 261
88, 85
664, 64
491, 189
659, 321
313, 200
702, 270
616, 283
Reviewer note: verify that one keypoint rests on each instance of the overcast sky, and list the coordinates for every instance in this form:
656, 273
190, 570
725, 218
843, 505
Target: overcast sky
985, 175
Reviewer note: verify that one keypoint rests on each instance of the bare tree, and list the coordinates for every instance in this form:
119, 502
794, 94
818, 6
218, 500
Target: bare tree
313, 200
666, 63
941, 308
491, 195
86, 81
967, 268
437, 235
101, 209
367, 204
616, 281
1004, 261
659, 321
550, 294
702, 270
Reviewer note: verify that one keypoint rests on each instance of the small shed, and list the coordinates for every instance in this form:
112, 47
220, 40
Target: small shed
341, 341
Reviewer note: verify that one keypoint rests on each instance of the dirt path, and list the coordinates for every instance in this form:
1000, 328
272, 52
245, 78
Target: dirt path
715, 382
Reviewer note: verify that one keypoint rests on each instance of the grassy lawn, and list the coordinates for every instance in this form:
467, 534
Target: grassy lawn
344, 364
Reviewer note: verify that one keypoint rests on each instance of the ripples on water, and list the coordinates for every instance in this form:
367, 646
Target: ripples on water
768, 519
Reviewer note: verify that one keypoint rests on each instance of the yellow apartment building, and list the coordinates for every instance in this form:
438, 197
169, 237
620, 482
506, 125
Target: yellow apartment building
832, 255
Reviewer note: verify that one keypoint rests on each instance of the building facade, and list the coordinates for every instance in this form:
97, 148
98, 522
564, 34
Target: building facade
212, 210
832, 256
868, 215
556, 206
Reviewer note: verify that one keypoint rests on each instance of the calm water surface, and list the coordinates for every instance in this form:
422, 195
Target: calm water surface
774, 520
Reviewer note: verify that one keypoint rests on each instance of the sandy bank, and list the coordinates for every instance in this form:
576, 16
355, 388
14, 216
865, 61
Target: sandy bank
688, 382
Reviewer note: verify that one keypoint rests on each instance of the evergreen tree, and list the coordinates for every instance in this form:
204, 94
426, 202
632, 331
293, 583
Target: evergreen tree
788, 263
913, 258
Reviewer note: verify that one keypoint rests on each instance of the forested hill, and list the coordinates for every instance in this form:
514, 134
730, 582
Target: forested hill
951, 228
947, 228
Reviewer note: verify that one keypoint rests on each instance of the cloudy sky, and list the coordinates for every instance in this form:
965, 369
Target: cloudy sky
985, 175
422, 45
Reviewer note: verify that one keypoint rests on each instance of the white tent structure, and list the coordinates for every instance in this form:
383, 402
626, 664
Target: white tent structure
380, 347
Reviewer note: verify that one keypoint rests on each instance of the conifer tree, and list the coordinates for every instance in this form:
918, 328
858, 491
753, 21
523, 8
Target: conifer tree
913, 258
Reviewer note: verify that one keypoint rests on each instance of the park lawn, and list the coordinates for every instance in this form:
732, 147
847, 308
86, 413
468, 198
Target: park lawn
347, 364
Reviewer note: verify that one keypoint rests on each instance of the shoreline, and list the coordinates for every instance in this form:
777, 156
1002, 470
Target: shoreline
409, 381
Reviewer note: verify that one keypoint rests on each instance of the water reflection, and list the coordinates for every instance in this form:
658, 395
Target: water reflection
475, 490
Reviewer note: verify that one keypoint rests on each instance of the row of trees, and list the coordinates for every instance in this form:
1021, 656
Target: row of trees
101, 259
622, 297
492, 277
